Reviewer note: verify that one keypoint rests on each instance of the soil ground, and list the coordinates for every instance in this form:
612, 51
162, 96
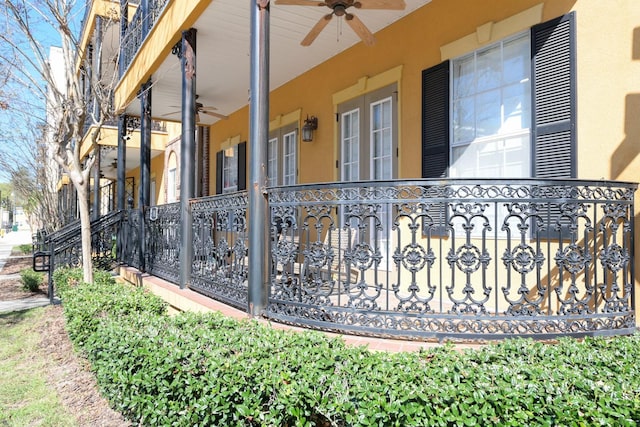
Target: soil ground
67, 372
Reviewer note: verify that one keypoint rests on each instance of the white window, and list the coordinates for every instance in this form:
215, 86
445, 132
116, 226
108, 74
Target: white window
171, 186
491, 117
230, 170
172, 182
272, 162
368, 136
282, 156
289, 158
351, 145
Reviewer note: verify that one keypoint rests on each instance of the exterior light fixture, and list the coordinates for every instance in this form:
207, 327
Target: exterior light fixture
310, 124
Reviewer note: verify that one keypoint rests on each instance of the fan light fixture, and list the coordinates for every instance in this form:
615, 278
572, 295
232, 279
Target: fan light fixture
310, 124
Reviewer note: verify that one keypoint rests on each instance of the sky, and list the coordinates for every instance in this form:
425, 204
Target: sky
27, 107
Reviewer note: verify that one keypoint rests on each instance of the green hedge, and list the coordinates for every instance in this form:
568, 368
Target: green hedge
205, 369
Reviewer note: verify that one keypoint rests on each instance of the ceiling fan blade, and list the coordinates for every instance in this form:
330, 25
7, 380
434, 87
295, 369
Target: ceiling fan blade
208, 108
299, 3
171, 113
381, 4
360, 29
218, 115
315, 31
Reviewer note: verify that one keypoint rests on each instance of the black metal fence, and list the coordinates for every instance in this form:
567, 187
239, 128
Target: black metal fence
423, 259
220, 246
63, 248
457, 259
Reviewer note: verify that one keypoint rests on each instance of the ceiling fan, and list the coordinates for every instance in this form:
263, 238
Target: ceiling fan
200, 108
339, 8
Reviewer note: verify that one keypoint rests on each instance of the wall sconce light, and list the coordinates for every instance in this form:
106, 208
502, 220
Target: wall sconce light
310, 124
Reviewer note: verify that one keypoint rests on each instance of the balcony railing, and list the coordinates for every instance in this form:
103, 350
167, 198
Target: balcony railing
464, 259
134, 34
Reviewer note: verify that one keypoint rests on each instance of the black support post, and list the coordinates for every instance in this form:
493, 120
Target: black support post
187, 54
145, 165
258, 137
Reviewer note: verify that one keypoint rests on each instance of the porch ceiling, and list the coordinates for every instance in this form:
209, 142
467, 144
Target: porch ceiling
223, 33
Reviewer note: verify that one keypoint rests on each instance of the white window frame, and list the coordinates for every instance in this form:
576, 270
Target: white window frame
502, 138
290, 158
230, 170
282, 153
171, 185
350, 145
272, 162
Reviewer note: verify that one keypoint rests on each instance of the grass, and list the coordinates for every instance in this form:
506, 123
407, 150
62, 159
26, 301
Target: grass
25, 397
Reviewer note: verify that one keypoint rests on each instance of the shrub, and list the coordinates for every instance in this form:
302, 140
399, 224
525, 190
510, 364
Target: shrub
31, 280
205, 369
66, 278
87, 304
25, 249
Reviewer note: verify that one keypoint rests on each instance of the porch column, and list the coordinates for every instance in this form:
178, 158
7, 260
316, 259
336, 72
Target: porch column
187, 55
258, 136
145, 164
121, 178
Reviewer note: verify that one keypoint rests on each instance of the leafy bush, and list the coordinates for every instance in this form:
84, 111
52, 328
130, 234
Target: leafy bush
205, 369
31, 280
86, 305
66, 278
24, 249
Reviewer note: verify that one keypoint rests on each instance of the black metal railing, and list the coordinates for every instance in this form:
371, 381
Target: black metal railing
459, 259
132, 39
163, 241
129, 248
455, 259
63, 248
219, 268
134, 36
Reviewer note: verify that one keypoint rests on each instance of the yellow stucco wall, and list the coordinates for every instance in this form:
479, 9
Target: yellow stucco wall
413, 44
608, 81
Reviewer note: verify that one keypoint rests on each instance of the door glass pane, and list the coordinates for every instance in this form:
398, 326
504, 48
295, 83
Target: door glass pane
351, 145
230, 170
381, 143
171, 185
272, 162
289, 159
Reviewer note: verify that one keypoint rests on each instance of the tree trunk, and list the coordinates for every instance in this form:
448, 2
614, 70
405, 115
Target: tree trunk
85, 232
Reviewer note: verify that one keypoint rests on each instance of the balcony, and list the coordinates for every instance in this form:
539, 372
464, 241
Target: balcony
135, 32
423, 259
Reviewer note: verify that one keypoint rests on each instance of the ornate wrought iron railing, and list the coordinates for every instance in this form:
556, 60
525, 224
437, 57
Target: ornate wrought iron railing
163, 241
63, 248
134, 35
129, 247
132, 39
219, 268
454, 259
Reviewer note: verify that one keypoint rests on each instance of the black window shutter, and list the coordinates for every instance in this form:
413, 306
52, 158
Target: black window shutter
435, 137
554, 109
435, 121
219, 160
554, 98
242, 166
